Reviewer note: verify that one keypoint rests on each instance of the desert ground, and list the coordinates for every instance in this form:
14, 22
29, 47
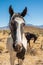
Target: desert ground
34, 55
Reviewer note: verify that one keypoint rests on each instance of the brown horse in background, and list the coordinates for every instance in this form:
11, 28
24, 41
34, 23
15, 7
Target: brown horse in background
30, 36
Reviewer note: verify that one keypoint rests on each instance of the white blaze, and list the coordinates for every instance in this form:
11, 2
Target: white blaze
19, 38
18, 34
19, 21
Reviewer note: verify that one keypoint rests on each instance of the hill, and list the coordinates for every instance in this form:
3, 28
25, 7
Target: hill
4, 28
33, 29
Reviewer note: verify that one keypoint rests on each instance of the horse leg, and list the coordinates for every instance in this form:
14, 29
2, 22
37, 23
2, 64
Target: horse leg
20, 61
29, 43
12, 58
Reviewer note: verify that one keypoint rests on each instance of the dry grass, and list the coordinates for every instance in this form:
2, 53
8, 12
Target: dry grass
34, 55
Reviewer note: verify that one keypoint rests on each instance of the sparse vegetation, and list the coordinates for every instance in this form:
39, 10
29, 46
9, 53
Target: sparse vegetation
6, 31
0, 31
35, 53
1, 49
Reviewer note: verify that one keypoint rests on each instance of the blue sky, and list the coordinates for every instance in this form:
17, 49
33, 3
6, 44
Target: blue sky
34, 14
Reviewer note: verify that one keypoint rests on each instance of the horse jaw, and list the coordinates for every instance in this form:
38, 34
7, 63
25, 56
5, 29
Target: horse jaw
24, 42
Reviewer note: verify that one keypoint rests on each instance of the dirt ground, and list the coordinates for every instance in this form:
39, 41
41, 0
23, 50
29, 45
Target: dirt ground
34, 55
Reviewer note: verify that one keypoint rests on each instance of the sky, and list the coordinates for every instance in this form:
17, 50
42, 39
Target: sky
34, 11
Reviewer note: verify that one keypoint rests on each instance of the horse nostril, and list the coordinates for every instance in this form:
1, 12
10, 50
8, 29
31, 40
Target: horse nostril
17, 47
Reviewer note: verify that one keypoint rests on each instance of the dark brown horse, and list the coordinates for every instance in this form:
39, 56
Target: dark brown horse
29, 36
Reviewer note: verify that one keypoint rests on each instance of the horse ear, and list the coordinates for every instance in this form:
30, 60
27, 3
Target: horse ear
24, 12
11, 11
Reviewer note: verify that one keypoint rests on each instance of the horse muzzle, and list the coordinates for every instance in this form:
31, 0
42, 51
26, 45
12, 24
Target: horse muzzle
17, 47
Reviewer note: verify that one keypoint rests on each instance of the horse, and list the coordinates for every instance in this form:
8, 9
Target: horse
30, 36
17, 42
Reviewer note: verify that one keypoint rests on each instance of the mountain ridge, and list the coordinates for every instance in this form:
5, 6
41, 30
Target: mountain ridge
7, 27
38, 26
